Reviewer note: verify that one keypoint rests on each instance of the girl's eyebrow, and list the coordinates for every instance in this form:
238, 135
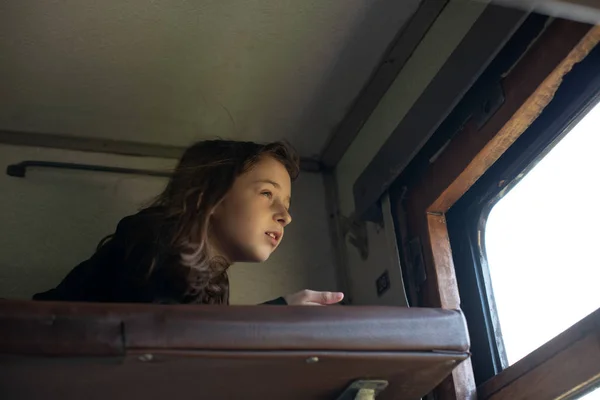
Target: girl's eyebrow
277, 185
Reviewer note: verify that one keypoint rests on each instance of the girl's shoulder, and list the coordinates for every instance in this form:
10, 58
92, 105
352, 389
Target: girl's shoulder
147, 218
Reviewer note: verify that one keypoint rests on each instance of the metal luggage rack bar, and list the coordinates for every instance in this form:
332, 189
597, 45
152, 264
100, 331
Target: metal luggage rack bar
19, 170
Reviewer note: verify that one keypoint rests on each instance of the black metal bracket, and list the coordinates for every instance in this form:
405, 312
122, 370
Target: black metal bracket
19, 170
356, 232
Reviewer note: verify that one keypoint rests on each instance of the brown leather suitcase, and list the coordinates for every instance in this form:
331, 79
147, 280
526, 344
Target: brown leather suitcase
124, 351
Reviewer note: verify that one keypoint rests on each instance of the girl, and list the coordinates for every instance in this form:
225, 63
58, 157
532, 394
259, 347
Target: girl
226, 202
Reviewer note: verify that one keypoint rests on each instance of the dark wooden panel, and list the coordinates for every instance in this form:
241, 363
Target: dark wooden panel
442, 281
441, 256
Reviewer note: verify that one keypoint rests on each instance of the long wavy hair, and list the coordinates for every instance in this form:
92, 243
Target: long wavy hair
202, 178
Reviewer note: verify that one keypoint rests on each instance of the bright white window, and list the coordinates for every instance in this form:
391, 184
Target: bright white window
542, 240
594, 395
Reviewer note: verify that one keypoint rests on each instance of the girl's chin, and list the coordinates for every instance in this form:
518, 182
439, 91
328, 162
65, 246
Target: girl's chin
257, 257
262, 258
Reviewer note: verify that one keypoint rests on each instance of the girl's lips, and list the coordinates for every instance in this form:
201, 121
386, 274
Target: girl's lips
273, 237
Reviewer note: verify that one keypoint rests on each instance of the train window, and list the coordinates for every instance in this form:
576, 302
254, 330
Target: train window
523, 237
540, 244
593, 395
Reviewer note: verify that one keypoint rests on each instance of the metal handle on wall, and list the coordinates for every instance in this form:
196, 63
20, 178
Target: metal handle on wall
19, 170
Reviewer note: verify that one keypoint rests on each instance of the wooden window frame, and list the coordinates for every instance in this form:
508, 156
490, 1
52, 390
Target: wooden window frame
466, 220
422, 203
564, 367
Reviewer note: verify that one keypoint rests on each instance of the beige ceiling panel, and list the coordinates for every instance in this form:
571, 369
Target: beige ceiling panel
174, 71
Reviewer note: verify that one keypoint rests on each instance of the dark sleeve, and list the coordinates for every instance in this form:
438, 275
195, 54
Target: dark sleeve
96, 279
280, 301
88, 281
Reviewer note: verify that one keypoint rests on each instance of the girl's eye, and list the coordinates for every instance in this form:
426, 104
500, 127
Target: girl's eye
267, 194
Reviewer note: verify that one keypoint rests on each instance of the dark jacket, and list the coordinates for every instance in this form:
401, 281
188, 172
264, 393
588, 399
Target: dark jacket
117, 271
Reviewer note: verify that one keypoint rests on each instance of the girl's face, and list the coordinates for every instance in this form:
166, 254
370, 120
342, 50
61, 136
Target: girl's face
247, 226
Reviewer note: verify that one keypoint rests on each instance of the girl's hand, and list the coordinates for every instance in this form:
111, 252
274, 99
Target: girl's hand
312, 298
